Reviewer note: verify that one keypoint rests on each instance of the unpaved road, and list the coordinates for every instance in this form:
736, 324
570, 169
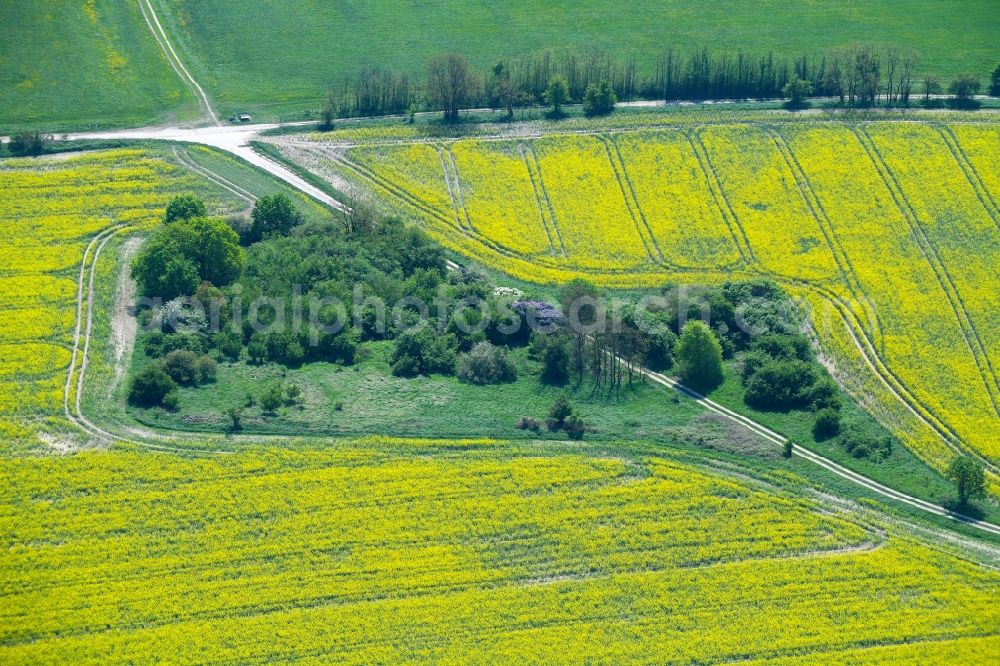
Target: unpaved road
123, 324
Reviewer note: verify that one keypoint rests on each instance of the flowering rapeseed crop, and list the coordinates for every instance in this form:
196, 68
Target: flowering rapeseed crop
365, 552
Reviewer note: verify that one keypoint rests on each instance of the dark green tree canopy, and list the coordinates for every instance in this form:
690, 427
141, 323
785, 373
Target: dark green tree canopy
599, 99
184, 207
185, 253
969, 477
273, 215
699, 356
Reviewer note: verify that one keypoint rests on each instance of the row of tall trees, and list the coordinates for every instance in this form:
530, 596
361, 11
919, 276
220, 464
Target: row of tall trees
862, 75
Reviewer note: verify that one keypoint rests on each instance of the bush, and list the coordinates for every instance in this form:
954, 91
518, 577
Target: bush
182, 366
574, 427
151, 387
658, 354
229, 344
824, 394
827, 424
699, 356
28, 143
235, 415
553, 353
486, 364
599, 99
780, 385
158, 345
285, 348
184, 207
559, 412
754, 361
423, 352
208, 369
783, 347
257, 349
528, 423
272, 398
861, 444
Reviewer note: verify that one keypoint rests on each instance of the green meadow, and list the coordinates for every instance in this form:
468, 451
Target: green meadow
71, 64
280, 58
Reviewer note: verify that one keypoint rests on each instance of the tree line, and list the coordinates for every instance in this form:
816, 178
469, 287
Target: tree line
862, 75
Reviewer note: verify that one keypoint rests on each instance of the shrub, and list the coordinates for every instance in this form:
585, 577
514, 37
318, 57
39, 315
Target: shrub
422, 351
574, 426
273, 215
559, 412
785, 347
752, 362
235, 415
861, 444
658, 354
28, 143
599, 99
272, 398
824, 394
486, 364
964, 88
208, 369
257, 349
528, 423
229, 344
285, 348
699, 356
780, 385
827, 423
151, 387
182, 366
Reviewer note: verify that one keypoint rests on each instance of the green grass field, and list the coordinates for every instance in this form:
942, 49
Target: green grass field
76, 65
243, 61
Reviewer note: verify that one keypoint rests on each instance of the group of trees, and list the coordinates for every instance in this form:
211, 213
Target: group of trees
862, 75
278, 259
192, 255
28, 144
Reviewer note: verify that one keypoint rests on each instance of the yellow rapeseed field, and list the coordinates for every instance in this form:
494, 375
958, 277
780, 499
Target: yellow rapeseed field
380, 550
50, 208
